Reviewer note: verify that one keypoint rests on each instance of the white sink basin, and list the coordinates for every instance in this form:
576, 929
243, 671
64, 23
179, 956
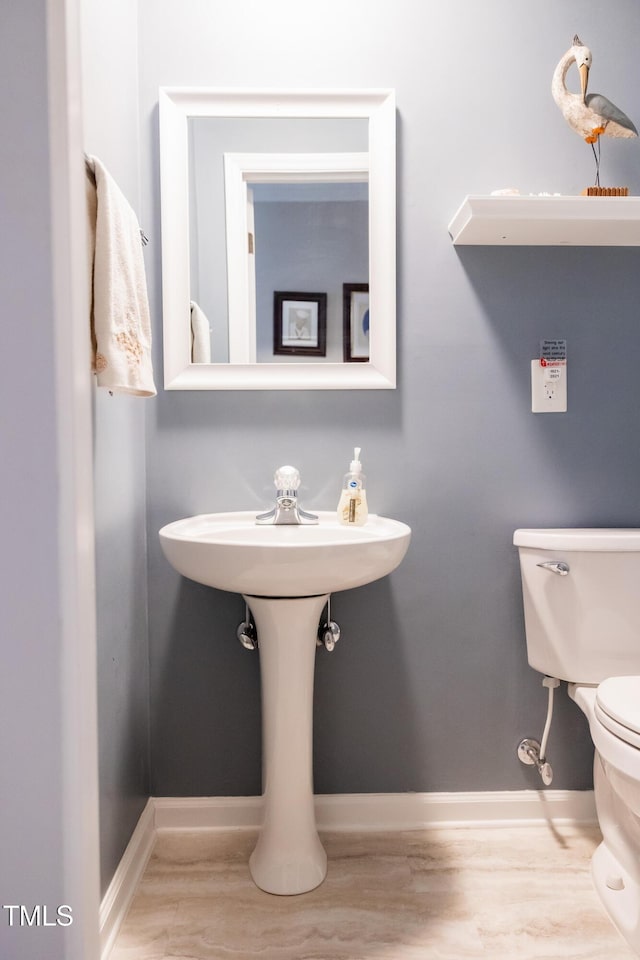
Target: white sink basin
231, 552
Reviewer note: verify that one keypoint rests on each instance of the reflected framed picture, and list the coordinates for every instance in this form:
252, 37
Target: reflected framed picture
355, 298
300, 324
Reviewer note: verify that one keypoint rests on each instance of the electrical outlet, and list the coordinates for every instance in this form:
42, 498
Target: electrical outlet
548, 387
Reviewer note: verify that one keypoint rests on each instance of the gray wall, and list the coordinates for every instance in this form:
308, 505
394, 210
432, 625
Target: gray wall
31, 742
429, 688
109, 54
313, 247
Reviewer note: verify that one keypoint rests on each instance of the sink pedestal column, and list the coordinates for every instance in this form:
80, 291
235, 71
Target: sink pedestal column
288, 857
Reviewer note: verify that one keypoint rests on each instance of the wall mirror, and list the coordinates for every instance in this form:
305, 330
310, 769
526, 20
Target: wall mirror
278, 239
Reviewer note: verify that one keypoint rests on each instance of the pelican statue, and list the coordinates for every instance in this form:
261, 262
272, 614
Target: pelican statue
590, 115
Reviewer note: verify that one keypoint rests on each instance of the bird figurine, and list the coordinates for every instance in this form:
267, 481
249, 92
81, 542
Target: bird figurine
590, 115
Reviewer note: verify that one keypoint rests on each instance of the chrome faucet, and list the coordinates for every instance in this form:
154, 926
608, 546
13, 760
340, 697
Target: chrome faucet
286, 510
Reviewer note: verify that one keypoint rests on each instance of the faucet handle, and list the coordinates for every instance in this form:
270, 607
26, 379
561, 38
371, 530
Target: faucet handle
286, 478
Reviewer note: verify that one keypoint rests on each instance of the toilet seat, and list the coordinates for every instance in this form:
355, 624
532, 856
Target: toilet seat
617, 708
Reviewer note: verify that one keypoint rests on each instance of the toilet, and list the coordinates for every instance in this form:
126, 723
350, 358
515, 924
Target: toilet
581, 592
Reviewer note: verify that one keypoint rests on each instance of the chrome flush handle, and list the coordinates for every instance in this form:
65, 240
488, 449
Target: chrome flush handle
555, 566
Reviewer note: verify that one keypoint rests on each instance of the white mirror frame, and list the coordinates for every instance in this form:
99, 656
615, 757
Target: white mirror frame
176, 106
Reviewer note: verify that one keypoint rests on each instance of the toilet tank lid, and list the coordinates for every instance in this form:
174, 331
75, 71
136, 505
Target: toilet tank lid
623, 540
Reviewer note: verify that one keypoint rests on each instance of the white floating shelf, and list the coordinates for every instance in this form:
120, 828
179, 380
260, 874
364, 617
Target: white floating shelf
548, 221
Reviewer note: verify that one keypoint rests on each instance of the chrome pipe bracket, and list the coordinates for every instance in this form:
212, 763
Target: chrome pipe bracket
328, 632
246, 631
529, 753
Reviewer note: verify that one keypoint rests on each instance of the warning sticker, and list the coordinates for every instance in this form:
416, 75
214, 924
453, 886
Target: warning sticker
553, 350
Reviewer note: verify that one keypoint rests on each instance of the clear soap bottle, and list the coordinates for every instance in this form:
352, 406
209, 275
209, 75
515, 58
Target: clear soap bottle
352, 508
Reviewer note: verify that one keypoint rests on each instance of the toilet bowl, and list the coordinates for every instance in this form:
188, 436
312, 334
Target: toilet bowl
615, 865
582, 624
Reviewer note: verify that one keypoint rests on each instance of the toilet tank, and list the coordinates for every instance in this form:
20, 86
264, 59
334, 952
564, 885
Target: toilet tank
585, 626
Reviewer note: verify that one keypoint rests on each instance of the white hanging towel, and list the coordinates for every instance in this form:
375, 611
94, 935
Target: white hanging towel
200, 335
120, 324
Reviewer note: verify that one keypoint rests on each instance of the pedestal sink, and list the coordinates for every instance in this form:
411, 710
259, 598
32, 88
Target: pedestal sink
286, 574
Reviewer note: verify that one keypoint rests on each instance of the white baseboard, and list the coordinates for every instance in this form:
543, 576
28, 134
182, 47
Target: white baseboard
122, 888
198, 813
355, 811
389, 811
421, 811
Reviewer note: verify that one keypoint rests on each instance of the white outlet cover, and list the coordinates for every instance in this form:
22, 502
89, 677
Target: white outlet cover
548, 388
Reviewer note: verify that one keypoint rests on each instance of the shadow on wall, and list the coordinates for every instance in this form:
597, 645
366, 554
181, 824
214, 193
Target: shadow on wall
365, 736
579, 468
206, 711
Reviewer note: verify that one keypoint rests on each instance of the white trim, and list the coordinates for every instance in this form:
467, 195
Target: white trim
389, 811
123, 886
216, 813
348, 811
75, 489
418, 811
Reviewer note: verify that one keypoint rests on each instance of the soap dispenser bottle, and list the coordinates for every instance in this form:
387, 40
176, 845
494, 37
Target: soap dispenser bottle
352, 508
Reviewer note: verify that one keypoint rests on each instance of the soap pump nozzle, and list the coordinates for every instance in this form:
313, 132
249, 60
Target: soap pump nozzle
355, 466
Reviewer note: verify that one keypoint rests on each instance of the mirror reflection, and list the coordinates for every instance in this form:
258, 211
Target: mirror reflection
309, 238
276, 206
